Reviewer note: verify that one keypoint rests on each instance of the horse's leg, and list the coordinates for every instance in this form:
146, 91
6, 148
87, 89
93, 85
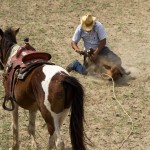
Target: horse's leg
51, 139
31, 127
15, 128
58, 121
53, 124
56, 139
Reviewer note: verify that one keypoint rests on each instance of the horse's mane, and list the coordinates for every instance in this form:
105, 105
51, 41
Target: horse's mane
7, 42
9, 35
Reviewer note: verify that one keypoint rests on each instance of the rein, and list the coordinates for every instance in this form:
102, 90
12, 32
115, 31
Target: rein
1, 65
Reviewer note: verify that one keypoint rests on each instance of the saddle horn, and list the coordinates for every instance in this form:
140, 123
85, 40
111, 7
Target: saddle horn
26, 40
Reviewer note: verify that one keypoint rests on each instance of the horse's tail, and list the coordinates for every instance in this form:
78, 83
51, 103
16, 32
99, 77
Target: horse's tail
77, 113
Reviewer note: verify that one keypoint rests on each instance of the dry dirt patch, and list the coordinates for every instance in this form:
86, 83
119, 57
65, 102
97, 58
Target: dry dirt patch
50, 25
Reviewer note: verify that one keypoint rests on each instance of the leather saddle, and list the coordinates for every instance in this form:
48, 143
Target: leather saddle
25, 56
22, 63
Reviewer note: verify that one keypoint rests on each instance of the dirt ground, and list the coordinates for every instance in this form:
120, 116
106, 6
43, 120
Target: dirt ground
109, 121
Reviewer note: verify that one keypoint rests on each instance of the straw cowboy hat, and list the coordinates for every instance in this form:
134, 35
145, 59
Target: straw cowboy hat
87, 22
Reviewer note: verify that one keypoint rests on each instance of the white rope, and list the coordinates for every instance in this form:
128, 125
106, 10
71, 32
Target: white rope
132, 127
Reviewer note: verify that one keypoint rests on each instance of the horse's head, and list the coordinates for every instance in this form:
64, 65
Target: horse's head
7, 40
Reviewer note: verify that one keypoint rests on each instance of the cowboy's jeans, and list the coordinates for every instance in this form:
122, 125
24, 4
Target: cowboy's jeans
77, 66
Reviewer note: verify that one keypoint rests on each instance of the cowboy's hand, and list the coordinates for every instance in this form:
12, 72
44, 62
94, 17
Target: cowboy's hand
80, 52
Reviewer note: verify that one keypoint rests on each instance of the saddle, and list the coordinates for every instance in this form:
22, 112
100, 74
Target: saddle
21, 64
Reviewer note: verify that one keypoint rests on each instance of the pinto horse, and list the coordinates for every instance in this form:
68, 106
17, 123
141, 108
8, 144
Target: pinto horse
50, 89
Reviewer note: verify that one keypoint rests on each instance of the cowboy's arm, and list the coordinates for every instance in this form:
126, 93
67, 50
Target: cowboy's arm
101, 32
100, 47
75, 47
75, 39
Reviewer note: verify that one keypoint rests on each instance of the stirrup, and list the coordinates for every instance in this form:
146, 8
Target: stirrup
12, 103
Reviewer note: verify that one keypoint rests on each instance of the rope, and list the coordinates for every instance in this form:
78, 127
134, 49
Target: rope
132, 127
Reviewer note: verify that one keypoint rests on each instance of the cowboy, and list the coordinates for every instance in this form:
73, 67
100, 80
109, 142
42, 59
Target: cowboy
94, 36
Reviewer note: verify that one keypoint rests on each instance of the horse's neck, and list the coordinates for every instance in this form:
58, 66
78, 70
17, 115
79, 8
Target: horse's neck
14, 50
